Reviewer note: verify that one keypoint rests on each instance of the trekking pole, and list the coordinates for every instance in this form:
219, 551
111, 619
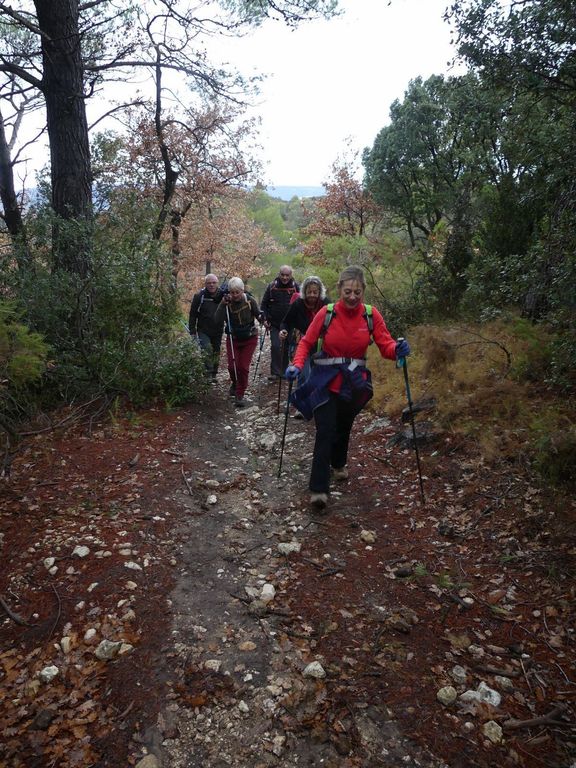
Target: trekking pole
401, 363
285, 425
262, 339
280, 377
231, 344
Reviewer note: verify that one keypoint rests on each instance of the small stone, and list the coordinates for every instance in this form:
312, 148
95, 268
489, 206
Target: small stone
48, 673
49, 562
212, 499
287, 547
132, 565
267, 593
81, 551
492, 731
447, 695
458, 674
213, 665
243, 707
107, 650
66, 644
131, 585
247, 645
148, 761
89, 634
368, 537
314, 669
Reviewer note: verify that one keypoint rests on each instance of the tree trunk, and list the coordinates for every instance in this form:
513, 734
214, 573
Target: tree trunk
71, 176
12, 213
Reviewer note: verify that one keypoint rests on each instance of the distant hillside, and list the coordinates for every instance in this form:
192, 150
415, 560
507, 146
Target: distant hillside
287, 193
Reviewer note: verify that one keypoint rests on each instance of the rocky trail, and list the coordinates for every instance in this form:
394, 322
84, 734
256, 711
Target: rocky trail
170, 602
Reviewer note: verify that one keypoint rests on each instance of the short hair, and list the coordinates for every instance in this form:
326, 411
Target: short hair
352, 273
211, 276
286, 268
235, 282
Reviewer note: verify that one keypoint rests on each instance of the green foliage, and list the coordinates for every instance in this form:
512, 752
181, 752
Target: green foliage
118, 330
23, 353
23, 358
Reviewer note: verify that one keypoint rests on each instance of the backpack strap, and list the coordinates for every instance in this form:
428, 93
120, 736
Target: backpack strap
327, 320
370, 320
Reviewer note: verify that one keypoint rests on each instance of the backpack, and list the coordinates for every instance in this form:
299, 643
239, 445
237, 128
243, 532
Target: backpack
328, 319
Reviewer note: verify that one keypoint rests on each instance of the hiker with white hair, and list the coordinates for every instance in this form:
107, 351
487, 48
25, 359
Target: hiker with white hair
302, 310
239, 311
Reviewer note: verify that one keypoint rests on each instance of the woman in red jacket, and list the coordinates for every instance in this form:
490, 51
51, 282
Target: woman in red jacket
340, 385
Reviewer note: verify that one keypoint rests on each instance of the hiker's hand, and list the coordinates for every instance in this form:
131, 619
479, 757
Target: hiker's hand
283, 334
226, 298
267, 324
402, 348
292, 372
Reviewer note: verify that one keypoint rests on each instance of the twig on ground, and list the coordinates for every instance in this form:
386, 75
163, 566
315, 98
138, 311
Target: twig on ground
549, 719
16, 618
186, 481
58, 614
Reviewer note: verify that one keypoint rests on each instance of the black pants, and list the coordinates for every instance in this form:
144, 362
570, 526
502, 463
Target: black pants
278, 353
334, 422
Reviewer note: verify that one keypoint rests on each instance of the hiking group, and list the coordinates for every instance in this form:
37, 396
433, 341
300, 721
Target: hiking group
319, 345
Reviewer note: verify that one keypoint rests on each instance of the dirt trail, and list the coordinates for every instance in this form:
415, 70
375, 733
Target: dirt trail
256, 633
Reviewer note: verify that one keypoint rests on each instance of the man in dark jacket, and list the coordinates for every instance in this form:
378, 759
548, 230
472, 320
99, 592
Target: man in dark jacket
274, 305
204, 326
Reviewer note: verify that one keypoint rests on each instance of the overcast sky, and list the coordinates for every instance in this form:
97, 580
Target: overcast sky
337, 79
327, 82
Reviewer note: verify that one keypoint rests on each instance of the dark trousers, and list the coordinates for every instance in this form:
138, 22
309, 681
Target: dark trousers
239, 358
278, 353
334, 422
210, 346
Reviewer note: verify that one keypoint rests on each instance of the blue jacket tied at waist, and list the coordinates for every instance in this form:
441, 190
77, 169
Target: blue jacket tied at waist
356, 387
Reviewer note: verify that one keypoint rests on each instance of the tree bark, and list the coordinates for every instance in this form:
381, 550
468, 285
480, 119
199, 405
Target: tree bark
71, 175
12, 213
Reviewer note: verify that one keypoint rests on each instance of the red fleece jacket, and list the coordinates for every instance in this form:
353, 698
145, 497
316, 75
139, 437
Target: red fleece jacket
347, 336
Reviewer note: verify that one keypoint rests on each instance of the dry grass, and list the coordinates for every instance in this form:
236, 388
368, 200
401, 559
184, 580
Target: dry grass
487, 381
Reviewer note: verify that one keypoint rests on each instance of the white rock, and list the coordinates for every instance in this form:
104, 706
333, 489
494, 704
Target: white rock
107, 649
133, 566
369, 537
80, 551
447, 695
49, 562
458, 674
267, 593
268, 440
314, 669
53, 571
131, 585
125, 648
148, 761
492, 731
243, 707
89, 634
484, 694
66, 644
213, 665
212, 499
504, 683
48, 673
286, 547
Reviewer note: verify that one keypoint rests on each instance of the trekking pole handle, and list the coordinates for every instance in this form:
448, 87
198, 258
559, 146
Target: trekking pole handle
400, 361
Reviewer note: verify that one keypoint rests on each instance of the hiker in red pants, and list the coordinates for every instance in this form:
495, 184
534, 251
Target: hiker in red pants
239, 311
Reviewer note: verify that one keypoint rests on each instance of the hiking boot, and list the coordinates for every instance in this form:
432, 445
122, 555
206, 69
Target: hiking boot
340, 474
298, 415
240, 403
232, 390
319, 500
